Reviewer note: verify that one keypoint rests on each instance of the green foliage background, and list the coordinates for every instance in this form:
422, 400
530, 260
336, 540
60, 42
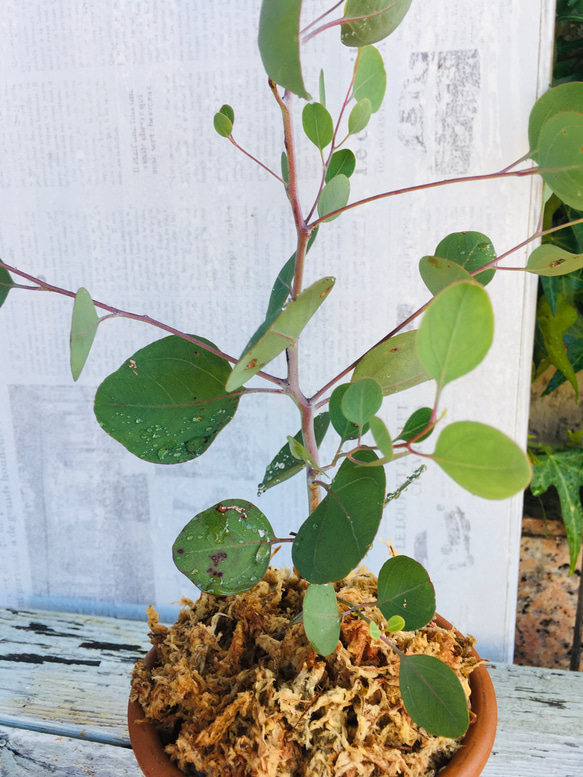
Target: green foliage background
559, 329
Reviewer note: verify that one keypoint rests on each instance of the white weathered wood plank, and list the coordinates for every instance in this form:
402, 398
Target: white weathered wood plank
31, 754
540, 723
68, 674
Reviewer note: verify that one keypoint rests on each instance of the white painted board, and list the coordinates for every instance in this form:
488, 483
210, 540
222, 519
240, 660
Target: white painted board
112, 178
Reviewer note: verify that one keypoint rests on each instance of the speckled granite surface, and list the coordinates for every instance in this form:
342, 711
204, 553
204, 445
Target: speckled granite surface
547, 596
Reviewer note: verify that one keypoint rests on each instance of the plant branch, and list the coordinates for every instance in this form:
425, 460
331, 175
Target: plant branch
425, 186
254, 159
388, 336
535, 236
355, 609
419, 311
118, 313
303, 234
333, 145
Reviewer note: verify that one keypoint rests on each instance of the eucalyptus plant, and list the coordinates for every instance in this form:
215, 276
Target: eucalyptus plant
168, 402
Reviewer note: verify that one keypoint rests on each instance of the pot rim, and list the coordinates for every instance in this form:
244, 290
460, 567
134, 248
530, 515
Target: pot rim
469, 760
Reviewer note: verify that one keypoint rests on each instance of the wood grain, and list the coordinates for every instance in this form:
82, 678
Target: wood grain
64, 682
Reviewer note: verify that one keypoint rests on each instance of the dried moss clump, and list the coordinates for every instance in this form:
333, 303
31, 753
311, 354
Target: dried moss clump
239, 692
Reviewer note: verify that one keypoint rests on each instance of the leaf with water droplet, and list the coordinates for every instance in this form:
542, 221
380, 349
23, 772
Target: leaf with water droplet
225, 549
381, 18
404, 589
456, 257
285, 465
173, 396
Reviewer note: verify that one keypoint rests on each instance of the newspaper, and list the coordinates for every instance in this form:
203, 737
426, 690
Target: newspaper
112, 178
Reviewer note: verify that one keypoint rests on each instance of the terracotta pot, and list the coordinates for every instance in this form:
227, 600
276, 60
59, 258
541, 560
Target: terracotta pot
467, 762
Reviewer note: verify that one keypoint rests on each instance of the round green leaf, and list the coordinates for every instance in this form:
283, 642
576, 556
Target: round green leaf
339, 532
334, 196
396, 623
321, 618
551, 260
83, 330
345, 428
404, 589
438, 273
279, 44
566, 97
370, 79
225, 549
343, 162
456, 332
482, 460
416, 423
433, 696
359, 116
228, 112
361, 400
318, 125
560, 157
223, 125
168, 402
394, 364
471, 250
382, 437
378, 26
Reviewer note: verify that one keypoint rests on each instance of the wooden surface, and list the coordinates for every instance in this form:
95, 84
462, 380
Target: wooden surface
64, 682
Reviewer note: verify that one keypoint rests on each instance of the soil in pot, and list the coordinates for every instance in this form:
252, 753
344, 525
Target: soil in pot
238, 691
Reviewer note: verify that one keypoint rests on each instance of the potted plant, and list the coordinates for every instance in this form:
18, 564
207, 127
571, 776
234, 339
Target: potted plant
327, 653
